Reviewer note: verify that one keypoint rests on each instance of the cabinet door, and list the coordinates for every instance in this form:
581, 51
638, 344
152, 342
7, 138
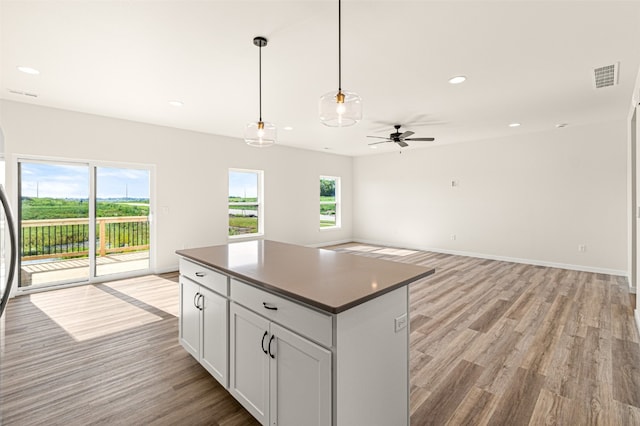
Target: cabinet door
249, 364
213, 343
189, 317
300, 381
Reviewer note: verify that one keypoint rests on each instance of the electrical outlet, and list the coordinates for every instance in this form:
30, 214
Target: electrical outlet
453, 237
582, 248
401, 322
455, 183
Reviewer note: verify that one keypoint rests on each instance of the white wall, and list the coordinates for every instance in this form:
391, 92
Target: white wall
191, 174
533, 197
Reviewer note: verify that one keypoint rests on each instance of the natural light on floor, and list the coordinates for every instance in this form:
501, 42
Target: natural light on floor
88, 320
150, 292
381, 250
362, 248
395, 252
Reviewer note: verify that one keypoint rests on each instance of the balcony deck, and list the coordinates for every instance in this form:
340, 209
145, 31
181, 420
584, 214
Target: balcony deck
37, 273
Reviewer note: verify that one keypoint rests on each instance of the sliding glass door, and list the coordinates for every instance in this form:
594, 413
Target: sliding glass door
122, 220
54, 223
79, 221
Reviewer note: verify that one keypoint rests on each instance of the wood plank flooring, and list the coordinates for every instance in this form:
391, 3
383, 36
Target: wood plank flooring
105, 354
492, 343
499, 343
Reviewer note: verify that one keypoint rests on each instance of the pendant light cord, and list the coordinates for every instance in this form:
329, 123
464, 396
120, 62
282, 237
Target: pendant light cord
339, 47
260, 80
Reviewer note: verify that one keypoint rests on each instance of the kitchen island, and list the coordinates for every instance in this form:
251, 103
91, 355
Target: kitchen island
301, 335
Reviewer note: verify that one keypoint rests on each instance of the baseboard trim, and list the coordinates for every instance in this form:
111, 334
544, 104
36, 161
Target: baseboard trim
165, 270
504, 258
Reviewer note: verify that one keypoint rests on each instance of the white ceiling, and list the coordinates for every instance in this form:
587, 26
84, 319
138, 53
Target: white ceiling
526, 61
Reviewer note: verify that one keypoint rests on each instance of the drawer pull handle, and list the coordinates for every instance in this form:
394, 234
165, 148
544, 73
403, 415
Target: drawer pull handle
266, 333
200, 274
270, 341
269, 306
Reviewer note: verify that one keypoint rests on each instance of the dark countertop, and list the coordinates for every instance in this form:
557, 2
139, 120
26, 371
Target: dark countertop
326, 279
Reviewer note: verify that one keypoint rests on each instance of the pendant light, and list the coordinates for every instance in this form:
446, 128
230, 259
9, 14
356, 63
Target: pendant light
344, 108
260, 134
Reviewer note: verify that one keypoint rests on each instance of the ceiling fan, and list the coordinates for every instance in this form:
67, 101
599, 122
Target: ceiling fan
400, 138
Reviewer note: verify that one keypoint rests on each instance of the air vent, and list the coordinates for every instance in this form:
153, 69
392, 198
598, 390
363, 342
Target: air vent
606, 76
19, 92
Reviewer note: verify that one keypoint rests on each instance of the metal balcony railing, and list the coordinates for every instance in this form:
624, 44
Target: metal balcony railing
66, 238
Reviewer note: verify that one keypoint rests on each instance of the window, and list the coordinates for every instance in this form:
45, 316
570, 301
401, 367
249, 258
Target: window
245, 202
329, 202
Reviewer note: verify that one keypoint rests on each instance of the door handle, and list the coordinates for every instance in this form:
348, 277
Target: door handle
271, 341
266, 333
14, 249
195, 300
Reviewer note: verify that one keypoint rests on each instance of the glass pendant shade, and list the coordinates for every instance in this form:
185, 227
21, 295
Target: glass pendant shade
340, 109
260, 134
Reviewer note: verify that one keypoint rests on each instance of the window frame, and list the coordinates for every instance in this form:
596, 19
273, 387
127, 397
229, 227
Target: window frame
337, 202
259, 203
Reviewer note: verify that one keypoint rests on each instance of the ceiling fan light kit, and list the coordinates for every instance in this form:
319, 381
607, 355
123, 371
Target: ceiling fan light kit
343, 108
260, 134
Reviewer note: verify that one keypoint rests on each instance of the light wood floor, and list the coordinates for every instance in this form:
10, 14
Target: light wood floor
491, 343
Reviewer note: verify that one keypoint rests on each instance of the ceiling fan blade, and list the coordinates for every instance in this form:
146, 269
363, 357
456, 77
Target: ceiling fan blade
402, 144
376, 143
377, 137
406, 134
421, 139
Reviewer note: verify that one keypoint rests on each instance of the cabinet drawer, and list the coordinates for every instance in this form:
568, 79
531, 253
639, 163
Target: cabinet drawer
296, 317
207, 277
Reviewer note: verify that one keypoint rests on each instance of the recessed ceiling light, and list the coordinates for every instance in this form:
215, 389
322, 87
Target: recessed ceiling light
514, 125
287, 128
457, 79
28, 70
177, 104
561, 125
373, 147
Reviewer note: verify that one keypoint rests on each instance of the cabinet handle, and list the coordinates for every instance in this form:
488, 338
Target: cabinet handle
270, 341
195, 301
201, 307
269, 306
200, 274
266, 333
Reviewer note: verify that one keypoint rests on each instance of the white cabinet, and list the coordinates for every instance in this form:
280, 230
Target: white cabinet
249, 361
300, 383
213, 335
190, 317
280, 377
204, 326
